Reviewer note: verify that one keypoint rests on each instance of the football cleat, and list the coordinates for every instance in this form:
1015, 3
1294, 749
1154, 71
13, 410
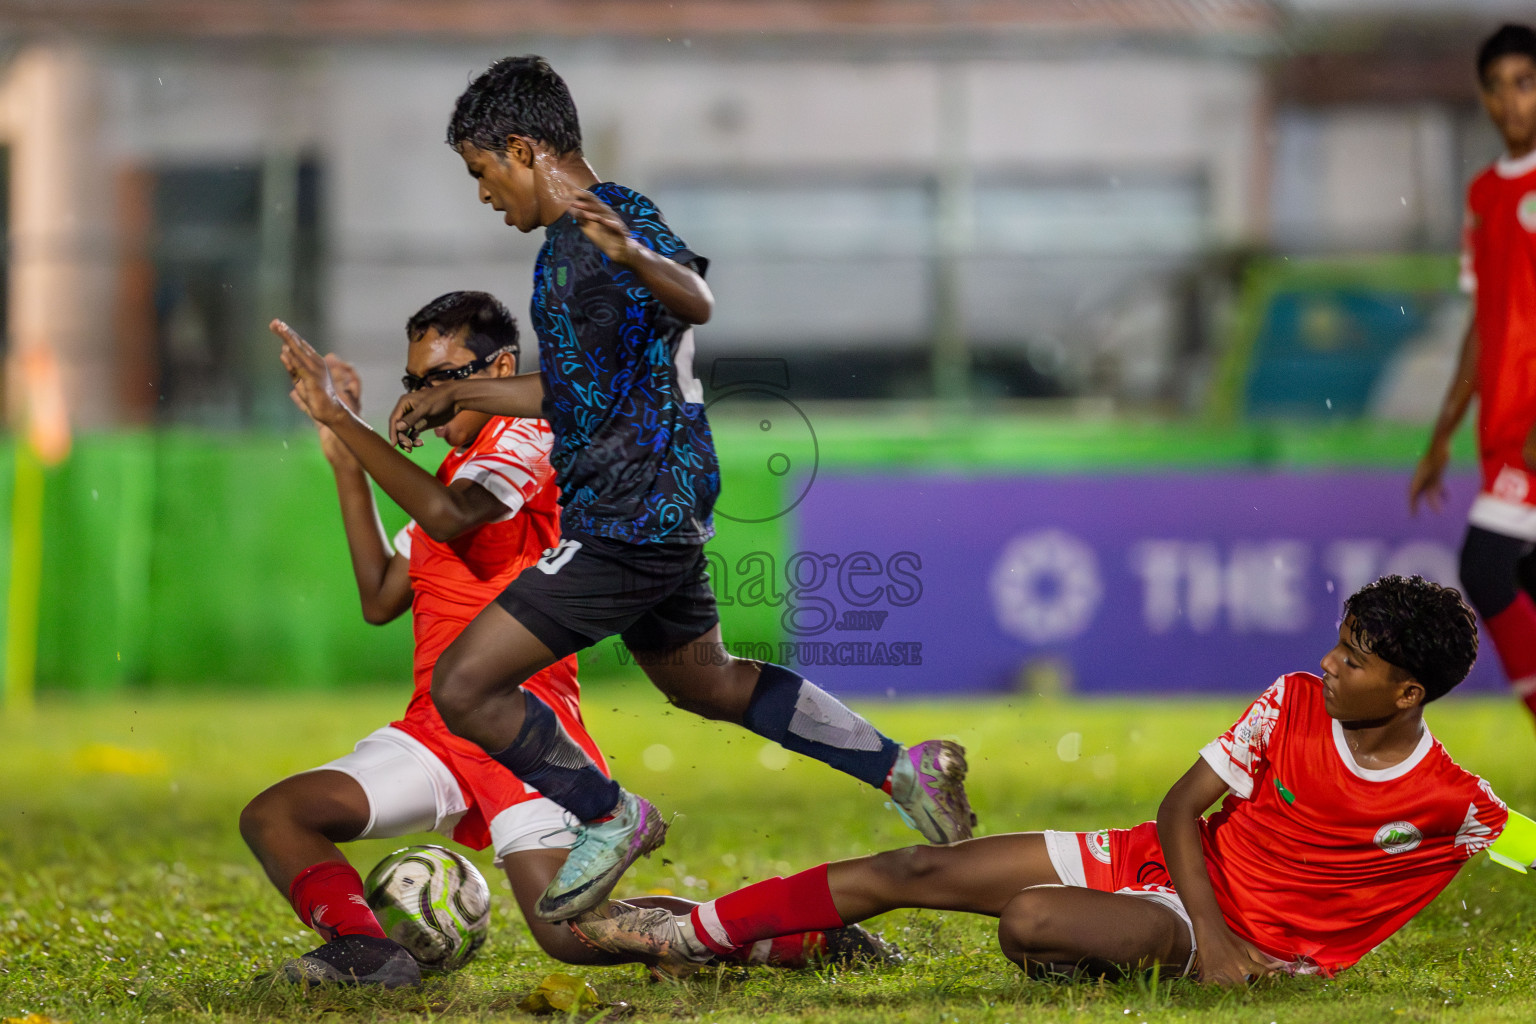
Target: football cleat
849, 946
653, 934
928, 789
853, 945
355, 960
603, 851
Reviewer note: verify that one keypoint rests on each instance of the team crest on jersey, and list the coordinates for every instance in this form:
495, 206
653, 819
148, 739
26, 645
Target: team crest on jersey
1098, 845
1511, 484
1398, 837
1526, 211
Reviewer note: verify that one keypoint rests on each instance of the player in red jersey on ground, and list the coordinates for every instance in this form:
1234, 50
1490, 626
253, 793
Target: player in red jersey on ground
490, 511
1498, 364
1344, 817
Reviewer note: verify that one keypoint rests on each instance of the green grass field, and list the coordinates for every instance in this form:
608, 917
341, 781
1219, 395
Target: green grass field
127, 895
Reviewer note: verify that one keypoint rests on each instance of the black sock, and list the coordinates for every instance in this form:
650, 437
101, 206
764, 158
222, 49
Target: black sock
546, 758
801, 716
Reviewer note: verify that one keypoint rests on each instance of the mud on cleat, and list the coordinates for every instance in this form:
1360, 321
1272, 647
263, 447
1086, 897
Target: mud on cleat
928, 789
853, 945
603, 851
653, 934
355, 960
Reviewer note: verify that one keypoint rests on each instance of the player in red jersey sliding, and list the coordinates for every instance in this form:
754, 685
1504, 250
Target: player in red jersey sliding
1343, 818
1498, 364
490, 511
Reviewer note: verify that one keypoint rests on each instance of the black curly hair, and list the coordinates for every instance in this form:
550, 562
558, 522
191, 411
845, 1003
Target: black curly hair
1509, 39
491, 327
516, 96
1421, 628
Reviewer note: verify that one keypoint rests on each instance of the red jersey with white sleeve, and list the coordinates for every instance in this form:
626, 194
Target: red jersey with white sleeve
1498, 267
1316, 859
452, 581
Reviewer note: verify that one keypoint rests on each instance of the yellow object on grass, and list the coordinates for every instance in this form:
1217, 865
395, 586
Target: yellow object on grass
561, 993
105, 759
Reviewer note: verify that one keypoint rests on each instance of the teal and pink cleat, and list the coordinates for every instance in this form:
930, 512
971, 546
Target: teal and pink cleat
602, 853
928, 789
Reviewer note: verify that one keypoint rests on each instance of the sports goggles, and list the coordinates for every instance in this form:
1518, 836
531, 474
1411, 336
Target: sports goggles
469, 369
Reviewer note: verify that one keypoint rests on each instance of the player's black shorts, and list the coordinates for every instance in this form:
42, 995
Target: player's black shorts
655, 596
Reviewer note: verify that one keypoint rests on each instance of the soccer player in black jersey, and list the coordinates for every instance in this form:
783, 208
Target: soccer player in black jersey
615, 296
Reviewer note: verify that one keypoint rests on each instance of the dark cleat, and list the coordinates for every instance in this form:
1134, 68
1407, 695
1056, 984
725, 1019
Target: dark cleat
355, 960
854, 944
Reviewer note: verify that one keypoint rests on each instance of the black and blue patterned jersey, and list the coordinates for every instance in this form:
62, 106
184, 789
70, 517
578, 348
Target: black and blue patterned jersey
632, 453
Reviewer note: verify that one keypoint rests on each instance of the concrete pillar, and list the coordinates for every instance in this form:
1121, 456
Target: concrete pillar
63, 265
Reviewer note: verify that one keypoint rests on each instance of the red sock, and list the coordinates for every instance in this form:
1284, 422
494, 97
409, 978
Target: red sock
778, 906
790, 951
1513, 632
328, 897
885, 787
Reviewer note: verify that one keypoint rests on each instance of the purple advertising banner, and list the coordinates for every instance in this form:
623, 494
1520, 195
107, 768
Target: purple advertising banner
1212, 582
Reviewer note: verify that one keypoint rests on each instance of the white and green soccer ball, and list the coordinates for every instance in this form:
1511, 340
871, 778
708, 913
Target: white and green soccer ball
433, 902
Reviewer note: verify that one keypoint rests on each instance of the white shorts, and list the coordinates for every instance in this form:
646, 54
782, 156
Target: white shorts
410, 790
1066, 853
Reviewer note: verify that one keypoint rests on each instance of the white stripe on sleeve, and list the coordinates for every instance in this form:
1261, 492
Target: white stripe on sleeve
517, 467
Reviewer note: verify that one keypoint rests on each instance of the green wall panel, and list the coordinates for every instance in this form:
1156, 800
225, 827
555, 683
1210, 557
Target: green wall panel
219, 559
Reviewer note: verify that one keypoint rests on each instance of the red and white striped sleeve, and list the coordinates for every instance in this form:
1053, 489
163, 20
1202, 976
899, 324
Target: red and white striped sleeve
515, 466
1239, 754
1466, 277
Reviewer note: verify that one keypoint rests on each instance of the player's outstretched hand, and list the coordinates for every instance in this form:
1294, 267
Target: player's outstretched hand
312, 384
348, 385
1227, 959
421, 410
603, 226
349, 388
1428, 484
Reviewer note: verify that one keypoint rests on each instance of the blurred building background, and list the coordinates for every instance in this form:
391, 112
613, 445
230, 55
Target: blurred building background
1196, 253
903, 198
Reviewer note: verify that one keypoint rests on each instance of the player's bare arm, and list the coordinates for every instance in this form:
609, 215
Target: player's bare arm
382, 575
675, 286
443, 512
1224, 957
1428, 482
521, 396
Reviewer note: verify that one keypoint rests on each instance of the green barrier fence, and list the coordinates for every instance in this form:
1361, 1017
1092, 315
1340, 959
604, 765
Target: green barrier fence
219, 560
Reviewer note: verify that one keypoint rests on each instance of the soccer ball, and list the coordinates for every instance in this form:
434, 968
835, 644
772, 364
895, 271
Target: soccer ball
433, 902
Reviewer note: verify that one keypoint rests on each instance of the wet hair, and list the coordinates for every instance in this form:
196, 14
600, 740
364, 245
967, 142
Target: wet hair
491, 326
1509, 39
516, 96
1419, 627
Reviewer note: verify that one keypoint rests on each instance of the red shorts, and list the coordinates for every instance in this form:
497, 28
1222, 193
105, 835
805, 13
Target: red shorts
1125, 861
487, 787
1120, 860
1128, 861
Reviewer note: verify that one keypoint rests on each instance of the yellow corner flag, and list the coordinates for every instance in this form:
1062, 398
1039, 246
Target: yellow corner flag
42, 440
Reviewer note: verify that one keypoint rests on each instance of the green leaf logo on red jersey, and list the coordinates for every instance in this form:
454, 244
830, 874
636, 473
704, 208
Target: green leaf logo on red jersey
1398, 837
1526, 211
